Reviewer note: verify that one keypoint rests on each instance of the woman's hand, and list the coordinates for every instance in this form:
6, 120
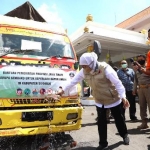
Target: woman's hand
53, 98
125, 103
60, 92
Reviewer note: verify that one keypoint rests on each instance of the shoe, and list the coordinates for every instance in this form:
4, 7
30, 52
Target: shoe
142, 126
126, 140
111, 117
108, 121
134, 119
101, 147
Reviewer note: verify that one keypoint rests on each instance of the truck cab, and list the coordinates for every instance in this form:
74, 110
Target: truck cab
36, 60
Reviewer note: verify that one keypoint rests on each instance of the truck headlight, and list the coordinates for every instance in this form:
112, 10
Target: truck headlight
72, 116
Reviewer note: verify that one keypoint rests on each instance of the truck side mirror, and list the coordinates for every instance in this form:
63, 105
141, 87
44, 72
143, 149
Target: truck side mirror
97, 48
76, 65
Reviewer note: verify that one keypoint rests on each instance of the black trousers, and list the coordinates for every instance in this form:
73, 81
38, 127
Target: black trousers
132, 108
102, 123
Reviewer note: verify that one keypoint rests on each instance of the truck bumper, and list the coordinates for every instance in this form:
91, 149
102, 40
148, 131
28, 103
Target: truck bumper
12, 123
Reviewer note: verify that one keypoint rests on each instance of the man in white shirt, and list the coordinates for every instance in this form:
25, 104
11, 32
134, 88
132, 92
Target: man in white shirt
108, 92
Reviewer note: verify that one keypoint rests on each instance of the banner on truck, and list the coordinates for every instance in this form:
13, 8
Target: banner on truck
28, 81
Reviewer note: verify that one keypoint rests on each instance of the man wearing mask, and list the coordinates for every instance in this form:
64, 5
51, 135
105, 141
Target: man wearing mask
126, 75
142, 82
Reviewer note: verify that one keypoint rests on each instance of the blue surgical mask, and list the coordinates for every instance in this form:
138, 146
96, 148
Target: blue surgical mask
124, 66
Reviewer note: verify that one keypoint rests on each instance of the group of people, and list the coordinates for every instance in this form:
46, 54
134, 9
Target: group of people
114, 90
136, 83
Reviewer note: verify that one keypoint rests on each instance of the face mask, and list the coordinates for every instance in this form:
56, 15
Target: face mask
141, 62
124, 66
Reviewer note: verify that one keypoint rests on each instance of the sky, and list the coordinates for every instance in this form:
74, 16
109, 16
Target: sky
71, 14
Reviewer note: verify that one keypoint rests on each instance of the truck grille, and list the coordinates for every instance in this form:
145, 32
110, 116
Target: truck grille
28, 101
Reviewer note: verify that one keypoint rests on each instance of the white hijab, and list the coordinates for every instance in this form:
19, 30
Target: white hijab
89, 59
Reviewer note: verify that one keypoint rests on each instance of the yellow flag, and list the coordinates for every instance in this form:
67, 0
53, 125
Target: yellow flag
124, 57
143, 31
108, 55
90, 48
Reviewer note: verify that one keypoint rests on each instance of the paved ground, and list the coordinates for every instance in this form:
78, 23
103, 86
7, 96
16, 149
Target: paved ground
87, 137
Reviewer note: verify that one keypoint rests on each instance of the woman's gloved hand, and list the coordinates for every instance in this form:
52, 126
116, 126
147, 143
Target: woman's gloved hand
60, 92
53, 98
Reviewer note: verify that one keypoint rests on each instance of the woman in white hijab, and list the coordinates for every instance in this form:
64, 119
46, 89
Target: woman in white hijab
107, 91
90, 60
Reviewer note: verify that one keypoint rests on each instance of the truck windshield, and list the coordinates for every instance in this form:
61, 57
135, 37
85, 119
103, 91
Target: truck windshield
52, 45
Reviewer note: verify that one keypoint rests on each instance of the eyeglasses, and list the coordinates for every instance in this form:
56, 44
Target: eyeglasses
123, 63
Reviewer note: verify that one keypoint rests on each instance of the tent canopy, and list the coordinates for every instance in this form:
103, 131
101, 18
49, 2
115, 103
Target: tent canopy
26, 11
